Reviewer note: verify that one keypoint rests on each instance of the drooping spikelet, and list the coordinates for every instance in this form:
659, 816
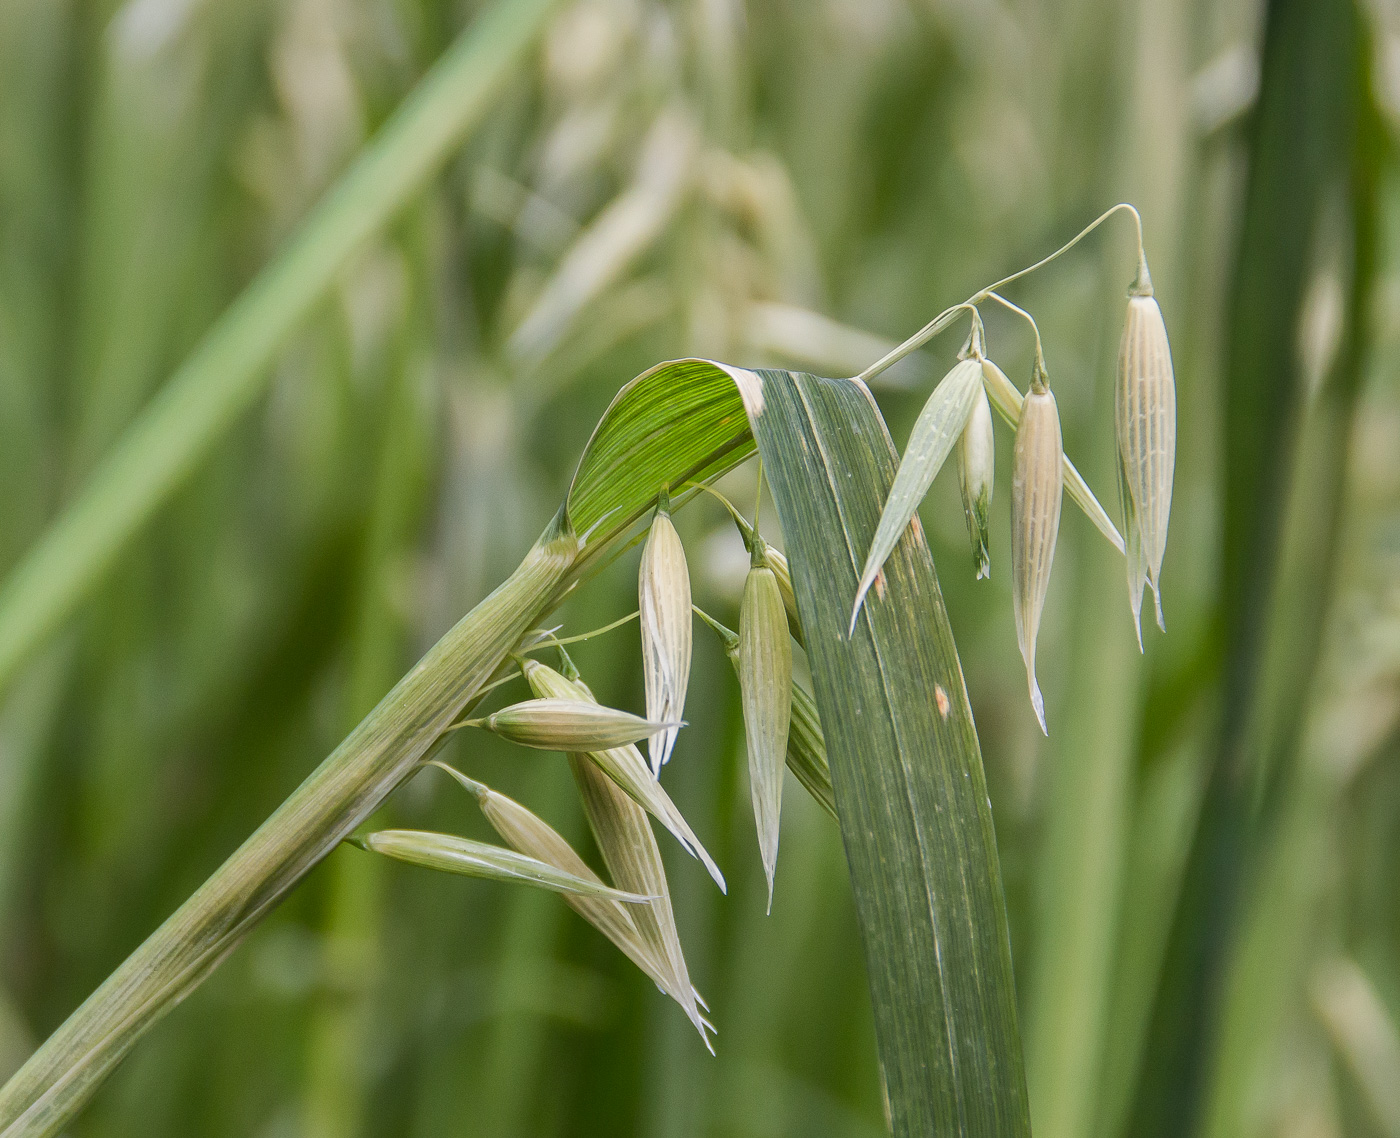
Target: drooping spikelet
1145, 423
936, 431
663, 598
765, 688
567, 725
640, 931
806, 749
469, 858
1036, 484
624, 765
976, 473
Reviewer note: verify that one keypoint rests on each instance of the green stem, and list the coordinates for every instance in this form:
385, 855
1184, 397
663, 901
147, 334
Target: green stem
344, 790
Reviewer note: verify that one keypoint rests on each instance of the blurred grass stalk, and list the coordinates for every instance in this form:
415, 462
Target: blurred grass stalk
227, 372
1093, 756
1314, 152
58, 1079
218, 382
338, 1074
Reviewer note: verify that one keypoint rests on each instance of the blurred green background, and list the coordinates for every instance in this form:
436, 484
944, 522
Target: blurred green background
1200, 861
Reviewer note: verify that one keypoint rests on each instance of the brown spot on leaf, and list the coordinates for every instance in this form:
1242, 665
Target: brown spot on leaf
941, 697
880, 584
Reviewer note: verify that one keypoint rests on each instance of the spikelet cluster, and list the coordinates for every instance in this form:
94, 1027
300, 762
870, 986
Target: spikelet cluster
663, 599
960, 411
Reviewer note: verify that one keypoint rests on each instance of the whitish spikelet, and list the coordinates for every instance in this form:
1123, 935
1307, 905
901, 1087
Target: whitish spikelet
1035, 522
806, 749
530, 834
568, 725
463, 856
765, 685
937, 429
1145, 422
976, 472
663, 596
627, 844
1007, 400
625, 766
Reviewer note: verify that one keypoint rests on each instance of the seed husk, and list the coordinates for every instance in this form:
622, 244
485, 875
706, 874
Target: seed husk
976, 474
765, 686
806, 749
625, 766
629, 848
1145, 423
1007, 401
567, 725
663, 598
453, 854
938, 428
1037, 463
530, 834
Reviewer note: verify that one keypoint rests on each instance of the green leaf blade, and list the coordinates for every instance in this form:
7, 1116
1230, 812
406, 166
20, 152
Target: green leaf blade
909, 784
679, 422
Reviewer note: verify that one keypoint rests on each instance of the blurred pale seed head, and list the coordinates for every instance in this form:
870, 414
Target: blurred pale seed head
1036, 485
976, 473
663, 598
1145, 424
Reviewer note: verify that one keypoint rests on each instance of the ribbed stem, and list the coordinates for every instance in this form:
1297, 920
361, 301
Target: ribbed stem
349, 785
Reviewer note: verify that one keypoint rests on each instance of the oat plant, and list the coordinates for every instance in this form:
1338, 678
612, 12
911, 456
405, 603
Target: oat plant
884, 741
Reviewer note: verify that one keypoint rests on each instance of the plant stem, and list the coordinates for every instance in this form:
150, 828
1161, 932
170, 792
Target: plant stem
379, 754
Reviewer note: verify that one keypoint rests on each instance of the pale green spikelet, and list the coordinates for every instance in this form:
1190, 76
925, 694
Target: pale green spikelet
663, 598
625, 766
976, 474
567, 725
938, 428
765, 684
1145, 424
1007, 401
806, 749
1036, 483
530, 834
451, 854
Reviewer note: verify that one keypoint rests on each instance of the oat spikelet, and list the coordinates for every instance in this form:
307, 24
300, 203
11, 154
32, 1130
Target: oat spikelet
625, 766
567, 725
1145, 423
806, 749
634, 929
1036, 485
663, 597
633, 858
936, 431
976, 473
463, 856
765, 684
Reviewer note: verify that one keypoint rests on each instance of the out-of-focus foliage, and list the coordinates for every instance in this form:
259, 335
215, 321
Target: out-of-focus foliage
794, 182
